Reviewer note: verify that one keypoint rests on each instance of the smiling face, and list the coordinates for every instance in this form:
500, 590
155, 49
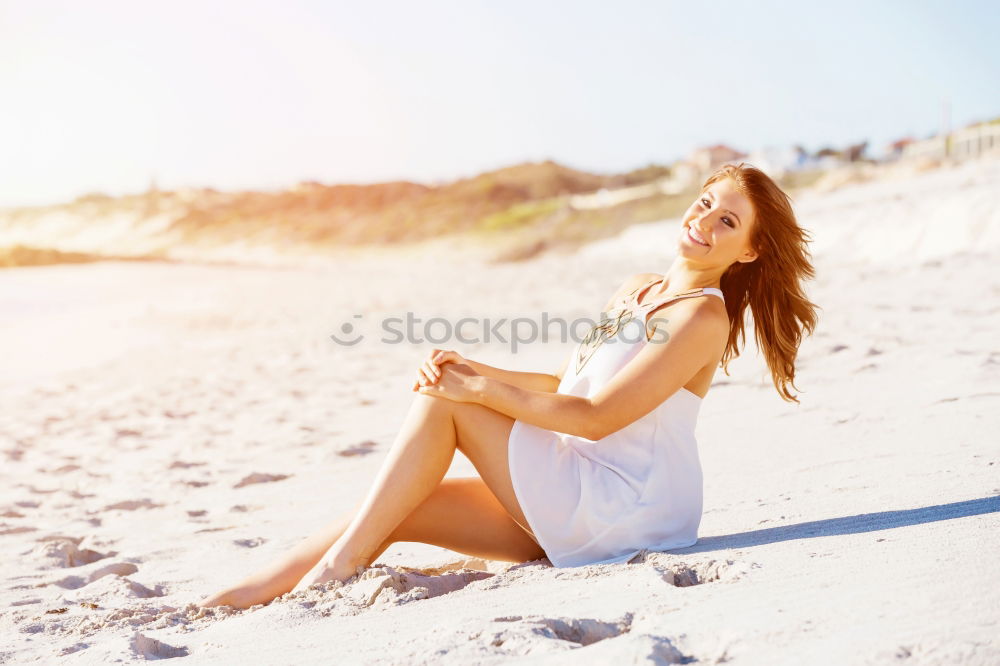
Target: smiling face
716, 228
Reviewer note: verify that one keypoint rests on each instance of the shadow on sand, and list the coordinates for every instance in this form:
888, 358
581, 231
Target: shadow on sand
864, 522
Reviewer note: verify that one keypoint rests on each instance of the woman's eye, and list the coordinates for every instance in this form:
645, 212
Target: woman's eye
725, 219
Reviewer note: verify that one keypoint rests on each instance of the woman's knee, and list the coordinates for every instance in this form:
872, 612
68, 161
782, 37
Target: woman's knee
430, 404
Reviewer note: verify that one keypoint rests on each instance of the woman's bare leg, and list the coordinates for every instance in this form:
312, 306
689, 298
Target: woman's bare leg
281, 575
481, 434
417, 462
462, 514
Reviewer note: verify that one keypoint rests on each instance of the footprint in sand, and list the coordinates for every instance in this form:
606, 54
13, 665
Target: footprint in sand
110, 588
150, 648
60, 470
365, 447
75, 647
141, 591
680, 573
250, 543
13, 455
132, 505
519, 632
558, 640
21, 529
65, 551
670, 569
260, 478
181, 464
115, 568
243, 508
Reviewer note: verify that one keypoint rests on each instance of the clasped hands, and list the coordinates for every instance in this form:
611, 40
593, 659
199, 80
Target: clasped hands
445, 374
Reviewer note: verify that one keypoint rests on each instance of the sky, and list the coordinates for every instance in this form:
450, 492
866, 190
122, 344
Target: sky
110, 96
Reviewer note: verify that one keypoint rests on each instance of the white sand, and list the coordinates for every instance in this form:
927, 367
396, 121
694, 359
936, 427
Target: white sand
167, 429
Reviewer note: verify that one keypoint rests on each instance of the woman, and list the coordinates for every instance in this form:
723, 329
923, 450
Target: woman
602, 456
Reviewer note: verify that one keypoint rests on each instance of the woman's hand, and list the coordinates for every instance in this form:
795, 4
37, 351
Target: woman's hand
430, 371
457, 382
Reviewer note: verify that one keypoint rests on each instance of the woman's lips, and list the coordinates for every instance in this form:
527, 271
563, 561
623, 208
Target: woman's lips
692, 234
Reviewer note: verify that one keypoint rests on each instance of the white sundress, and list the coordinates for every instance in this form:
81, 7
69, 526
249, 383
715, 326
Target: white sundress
603, 501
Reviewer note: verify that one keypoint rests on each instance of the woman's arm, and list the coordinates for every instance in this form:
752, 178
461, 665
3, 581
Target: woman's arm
571, 414
530, 381
658, 371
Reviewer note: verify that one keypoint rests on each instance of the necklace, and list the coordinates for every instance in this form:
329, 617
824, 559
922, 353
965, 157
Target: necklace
608, 327
617, 318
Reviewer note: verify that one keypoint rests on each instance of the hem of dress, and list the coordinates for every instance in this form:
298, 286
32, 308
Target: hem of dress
554, 557
615, 559
551, 553
591, 542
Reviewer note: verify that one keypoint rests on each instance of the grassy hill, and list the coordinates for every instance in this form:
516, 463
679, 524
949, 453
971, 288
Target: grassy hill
524, 209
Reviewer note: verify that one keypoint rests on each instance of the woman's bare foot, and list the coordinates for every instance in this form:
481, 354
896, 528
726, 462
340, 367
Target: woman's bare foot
330, 568
241, 597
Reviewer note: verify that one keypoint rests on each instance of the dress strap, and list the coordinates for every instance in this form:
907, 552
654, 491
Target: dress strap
632, 299
715, 292
691, 293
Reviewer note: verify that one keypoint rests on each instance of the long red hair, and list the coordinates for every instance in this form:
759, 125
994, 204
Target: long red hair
771, 285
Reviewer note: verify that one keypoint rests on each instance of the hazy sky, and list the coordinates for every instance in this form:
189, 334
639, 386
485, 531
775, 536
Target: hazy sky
102, 95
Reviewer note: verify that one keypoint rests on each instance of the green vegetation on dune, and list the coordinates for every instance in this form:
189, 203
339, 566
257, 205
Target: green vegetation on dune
386, 213
566, 228
797, 180
520, 215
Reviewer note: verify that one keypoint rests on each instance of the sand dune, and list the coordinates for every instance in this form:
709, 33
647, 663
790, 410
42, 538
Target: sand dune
168, 428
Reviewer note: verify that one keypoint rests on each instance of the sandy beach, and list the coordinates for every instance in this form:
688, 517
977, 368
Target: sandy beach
168, 428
